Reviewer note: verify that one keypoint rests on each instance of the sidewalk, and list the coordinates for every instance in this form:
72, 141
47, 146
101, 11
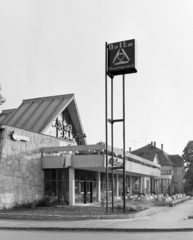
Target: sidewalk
169, 219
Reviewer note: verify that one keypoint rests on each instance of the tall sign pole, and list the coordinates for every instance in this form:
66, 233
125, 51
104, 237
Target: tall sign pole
119, 60
106, 127
124, 163
112, 155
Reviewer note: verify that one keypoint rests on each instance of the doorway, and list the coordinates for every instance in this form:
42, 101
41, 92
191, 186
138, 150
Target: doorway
86, 191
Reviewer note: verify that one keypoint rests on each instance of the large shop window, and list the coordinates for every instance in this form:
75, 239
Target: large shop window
57, 185
103, 186
136, 184
120, 180
85, 186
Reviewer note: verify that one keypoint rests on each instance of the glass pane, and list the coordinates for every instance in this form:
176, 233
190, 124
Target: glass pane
94, 192
82, 175
50, 191
77, 192
88, 197
50, 174
127, 180
110, 177
103, 190
120, 178
87, 187
77, 177
103, 177
82, 187
89, 176
94, 177
63, 191
63, 174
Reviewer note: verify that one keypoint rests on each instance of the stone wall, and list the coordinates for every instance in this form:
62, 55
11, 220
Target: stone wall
21, 174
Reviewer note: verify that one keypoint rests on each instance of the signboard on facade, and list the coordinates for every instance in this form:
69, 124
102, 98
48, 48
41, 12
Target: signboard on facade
65, 130
121, 58
117, 162
18, 137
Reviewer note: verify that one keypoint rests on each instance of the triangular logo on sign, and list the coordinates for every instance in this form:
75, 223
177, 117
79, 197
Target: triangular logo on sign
121, 57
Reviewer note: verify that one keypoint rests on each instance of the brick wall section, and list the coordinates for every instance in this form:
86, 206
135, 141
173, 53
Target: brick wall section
21, 174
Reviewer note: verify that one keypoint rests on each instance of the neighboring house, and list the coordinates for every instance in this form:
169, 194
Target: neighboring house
172, 170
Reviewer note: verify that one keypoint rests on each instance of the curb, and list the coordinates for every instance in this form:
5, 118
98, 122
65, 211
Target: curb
98, 229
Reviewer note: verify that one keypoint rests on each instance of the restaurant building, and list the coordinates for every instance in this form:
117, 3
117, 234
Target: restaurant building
44, 155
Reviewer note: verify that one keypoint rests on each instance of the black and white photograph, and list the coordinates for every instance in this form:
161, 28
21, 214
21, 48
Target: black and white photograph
96, 133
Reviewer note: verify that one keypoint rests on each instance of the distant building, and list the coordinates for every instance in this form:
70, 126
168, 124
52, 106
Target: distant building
172, 170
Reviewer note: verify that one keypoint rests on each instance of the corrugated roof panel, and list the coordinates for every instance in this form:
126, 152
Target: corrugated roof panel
5, 114
32, 116
16, 117
55, 107
36, 114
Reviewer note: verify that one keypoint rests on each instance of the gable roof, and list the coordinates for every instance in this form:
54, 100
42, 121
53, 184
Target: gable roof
149, 151
38, 114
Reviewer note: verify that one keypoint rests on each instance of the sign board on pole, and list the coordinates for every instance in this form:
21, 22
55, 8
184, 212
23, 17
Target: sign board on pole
121, 58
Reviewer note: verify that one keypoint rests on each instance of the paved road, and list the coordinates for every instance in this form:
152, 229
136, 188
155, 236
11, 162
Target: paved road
41, 235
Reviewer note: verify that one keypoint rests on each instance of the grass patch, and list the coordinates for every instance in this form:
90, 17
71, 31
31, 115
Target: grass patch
65, 212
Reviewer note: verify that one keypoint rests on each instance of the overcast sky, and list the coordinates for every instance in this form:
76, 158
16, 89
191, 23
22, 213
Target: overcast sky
54, 47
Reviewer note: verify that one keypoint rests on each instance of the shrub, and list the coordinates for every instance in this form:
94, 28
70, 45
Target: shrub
119, 206
131, 208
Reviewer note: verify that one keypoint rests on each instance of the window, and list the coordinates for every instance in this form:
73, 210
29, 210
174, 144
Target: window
57, 185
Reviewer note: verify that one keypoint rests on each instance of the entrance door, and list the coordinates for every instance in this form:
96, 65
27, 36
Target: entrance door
86, 191
83, 191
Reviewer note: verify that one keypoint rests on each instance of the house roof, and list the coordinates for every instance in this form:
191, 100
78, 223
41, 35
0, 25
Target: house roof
177, 160
38, 114
147, 155
149, 152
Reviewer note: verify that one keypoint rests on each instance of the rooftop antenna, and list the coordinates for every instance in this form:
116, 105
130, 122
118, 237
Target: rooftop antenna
144, 136
134, 141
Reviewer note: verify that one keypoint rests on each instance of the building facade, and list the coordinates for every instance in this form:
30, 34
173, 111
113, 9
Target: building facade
44, 155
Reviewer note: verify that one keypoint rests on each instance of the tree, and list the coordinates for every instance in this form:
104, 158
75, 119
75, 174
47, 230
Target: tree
2, 99
188, 163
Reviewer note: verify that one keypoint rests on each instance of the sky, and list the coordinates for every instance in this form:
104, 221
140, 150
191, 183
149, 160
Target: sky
54, 47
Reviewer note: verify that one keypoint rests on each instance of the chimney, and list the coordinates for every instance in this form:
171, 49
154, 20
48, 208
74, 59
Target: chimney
151, 143
162, 147
129, 149
154, 144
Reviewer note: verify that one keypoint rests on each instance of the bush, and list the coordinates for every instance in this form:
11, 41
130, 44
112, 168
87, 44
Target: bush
131, 208
119, 206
